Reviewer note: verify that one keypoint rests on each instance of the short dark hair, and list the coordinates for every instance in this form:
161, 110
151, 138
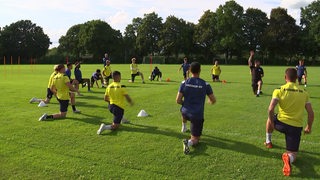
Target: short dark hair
59, 67
98, 70
291, 74
116, 73
69, 64
195, 67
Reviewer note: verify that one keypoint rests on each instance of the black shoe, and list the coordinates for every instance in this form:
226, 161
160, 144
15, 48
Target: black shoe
257, 95
186, 149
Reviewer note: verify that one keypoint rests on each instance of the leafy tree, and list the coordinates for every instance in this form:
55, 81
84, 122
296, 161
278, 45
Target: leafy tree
70, 42
310, 29
25, 39
205, 35
229, 27
176, 36
148, 34
255, 24
130, 37
281, 34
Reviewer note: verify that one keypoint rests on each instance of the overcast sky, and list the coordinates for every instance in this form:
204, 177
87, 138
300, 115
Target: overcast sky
57, 16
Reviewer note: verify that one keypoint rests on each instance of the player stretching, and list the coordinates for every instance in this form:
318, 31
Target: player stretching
302, 73
115, 95
292, 101
192, 94
257, 74
185, 66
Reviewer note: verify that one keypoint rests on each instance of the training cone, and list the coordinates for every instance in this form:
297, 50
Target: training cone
42, 104
142, 113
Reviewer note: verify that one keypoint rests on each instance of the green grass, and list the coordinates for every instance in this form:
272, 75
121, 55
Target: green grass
150, 148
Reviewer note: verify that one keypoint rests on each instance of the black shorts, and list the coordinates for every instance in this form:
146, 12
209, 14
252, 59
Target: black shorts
196, 125
134, 75
300, 78
255, 82
117, 113
185, 74
107, 77
215, 77
49, 93
292, 134
63, 105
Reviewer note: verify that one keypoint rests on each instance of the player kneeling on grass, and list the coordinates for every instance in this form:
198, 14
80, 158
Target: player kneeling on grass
60, 87
292, 101
192, 94
115, 95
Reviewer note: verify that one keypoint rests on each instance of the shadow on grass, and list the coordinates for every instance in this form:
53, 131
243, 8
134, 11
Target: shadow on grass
96, 120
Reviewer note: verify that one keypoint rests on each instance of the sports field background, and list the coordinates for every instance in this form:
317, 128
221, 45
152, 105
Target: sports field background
149, 148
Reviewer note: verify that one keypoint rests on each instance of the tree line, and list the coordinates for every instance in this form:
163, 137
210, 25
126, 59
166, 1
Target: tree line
227, 34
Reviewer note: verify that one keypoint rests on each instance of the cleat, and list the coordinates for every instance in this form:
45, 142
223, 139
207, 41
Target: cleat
33, 100
305, 85
257, 95
43, 117
286, 164
76, 111
268, 145
101, 129
186, 149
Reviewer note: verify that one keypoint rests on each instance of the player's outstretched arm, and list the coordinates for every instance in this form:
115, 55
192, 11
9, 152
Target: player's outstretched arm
250, 58
310, 112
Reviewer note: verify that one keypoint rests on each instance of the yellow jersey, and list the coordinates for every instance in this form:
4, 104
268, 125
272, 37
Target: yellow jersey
106, 71
292, 100
216, 70
134, 68
51, 79
116, 93
59, 81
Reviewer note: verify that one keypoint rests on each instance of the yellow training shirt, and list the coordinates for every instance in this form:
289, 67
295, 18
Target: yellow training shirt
106, 71
292, 101
116, 94
216, 70
134, 68
51, 79
59, 81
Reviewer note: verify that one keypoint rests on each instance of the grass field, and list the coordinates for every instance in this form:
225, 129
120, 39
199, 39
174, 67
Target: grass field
150, 147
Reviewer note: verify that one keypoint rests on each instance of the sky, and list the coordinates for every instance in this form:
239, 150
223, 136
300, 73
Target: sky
57, 16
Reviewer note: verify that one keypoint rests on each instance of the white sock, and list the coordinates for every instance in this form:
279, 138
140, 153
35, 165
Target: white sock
268, 137
291, 158
258, 91
107, 127
190, 143
184, 125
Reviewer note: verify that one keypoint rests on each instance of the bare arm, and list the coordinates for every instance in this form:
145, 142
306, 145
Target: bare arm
53, 89
250, 58
129, 99
309, 109
179, 98
272, 105
73, 89
212, 99
106, 98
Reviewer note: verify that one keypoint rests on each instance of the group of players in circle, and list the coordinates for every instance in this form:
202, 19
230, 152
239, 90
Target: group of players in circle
291, 98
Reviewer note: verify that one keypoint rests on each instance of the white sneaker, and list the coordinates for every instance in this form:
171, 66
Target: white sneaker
183, 129
102, 127
43, 117
125, 121
76, 111
33, 100
305, 85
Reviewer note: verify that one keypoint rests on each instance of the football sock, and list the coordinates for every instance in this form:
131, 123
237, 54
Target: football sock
73, 107
190, 143
268, 137
258, 91
107, 127
291, 158
184, 125
49, 117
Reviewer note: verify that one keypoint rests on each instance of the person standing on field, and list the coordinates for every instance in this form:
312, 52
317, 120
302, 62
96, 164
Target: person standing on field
191, 95
107, 73
115, 95
105, 59
185, 66
302, 73
257, 75
216, 71
292, 101
60, 87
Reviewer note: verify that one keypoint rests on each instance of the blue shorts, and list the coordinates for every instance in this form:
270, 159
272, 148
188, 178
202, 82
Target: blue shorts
196, 125
292, 134
49, 93
117, 113
63, 105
